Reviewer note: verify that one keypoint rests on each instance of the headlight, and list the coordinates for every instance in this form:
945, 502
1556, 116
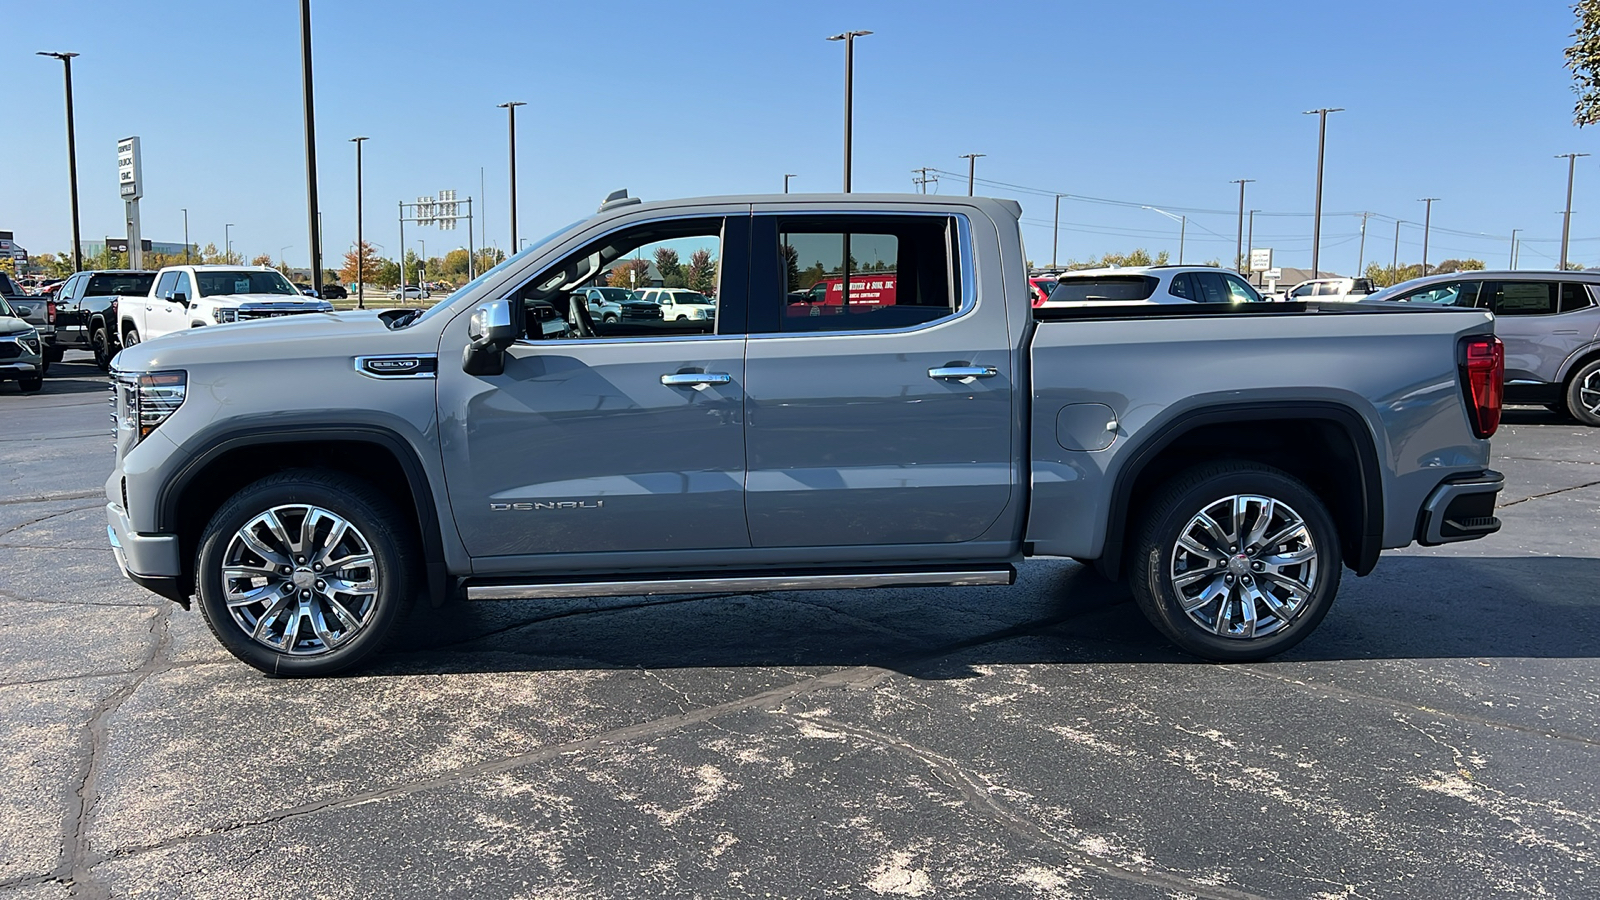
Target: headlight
226, 315
31, 338
146, 399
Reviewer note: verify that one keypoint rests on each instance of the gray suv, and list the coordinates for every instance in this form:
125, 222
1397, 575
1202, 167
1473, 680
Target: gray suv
1549, 321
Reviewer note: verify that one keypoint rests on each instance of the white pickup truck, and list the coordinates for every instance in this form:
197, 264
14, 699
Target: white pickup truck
185, 297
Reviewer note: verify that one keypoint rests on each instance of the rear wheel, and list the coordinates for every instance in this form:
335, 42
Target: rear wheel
1583, 394
54, 353
305, 573
100, 343
130, 337
1235, 561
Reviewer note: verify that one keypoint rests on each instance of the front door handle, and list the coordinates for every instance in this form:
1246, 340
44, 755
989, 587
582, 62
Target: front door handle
695, 379
963, 372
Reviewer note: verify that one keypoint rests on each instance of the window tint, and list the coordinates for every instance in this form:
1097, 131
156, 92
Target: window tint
1210, 286
1104, 288
628, 270
122, 284
1238, 291
1575, 297
164, 287
1183, 287
1522, 298
1461, 293
864, 273
1303, 291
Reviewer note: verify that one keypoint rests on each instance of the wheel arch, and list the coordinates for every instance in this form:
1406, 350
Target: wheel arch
1318, 432
1577, 360
228, 462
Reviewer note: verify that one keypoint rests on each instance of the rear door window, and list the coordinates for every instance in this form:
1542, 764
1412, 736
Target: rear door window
1522, 298
1104, 287
1575, 297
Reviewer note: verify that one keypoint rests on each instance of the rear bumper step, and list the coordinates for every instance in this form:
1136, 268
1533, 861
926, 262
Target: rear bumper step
720, 584
1461, 509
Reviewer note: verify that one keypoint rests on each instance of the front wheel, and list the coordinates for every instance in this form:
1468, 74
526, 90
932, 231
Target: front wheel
31, 385
1235, 561
305, 572
100, 343
1583, 394
54, 354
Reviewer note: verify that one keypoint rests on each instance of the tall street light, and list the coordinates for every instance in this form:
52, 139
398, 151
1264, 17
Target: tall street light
361, 247
786, 177
1055, 237
227, 241
313, 217
1316, 222
511, 108
72, 157
1183, 227
186, 234
849, 38
972, 168
1427, 226
1394, 267
1238, 253
1566, 217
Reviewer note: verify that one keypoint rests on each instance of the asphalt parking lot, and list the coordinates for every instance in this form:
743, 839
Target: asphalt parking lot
1437, 737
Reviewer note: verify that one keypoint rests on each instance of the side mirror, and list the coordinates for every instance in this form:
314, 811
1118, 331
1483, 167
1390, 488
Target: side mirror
180, 298
492, 329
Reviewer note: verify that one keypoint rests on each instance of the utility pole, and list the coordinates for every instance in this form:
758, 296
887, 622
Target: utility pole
786, 177
1361, 256
511, 108
186, 235
923, 179
849, 38
1250, 235
312, 209
1183, 227
1055, 238
227, 241
361, 246
1566, 217
1316, 222
972, 168
1427, 226
1513, 264
1394, 267
1238, 252
72, 158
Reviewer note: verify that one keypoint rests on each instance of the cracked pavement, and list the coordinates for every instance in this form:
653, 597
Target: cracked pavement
1436, 737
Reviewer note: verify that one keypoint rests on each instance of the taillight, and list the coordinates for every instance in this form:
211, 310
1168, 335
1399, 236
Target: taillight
1483, 372
50, 311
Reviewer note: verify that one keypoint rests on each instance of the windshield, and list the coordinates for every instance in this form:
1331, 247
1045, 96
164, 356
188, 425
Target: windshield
615, 295
532, 249
1105, 287
6, 310
217, 284
123, 284
692, 297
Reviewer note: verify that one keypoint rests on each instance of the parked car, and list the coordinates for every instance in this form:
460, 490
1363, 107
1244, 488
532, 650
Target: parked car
1040, 287
1550, 322
21, 351
185, 297
37, 311
332, 291
87, 310
409, 292
1326, 289
1146, 285
681, 307
314, 474
605, 303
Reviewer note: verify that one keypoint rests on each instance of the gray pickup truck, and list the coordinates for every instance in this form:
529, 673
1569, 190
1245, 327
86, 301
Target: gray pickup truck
309, 477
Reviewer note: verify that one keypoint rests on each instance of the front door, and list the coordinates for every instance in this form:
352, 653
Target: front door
880, 413
606, 437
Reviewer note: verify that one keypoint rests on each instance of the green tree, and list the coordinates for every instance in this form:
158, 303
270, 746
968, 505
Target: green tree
489, 257
1139, 257
454, 263
385, 274
1459, 265
1583, 58
670, 269
261, 259
702, 274
791, 265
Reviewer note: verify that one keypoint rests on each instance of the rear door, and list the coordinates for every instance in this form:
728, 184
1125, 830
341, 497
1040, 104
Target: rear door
871, 422
1528, 319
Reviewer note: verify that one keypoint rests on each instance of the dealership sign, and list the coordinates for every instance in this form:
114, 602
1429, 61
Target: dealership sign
130, 174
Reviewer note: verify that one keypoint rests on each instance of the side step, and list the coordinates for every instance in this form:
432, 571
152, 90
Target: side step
798, 581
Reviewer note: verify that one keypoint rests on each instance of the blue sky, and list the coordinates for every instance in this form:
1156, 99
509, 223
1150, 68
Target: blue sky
1159, 103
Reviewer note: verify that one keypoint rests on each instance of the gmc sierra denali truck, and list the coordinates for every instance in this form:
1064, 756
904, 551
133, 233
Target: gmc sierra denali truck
306, 478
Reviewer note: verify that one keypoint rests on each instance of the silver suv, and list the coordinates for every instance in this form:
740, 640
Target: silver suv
1142, 285
1549, 321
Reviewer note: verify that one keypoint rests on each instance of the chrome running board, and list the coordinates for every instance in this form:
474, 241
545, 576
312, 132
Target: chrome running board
743, 584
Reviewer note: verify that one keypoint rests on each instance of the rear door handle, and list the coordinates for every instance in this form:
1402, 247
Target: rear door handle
695, 379
959, 372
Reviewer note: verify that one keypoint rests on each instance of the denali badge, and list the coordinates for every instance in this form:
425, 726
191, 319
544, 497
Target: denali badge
547, 504
406, 365
392, 365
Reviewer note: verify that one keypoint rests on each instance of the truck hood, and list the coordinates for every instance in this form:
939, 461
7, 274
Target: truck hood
298, 337
236, 299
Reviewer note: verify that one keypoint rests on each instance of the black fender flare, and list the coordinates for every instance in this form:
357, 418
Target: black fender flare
1369, 542
427, 513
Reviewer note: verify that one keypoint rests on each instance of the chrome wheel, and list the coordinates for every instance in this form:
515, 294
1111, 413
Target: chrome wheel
1589, 392
1244, 566
300, 580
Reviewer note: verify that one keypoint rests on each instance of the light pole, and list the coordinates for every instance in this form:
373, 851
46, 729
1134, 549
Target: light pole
1055, 237
313, 217
1238, 253
1427, 226
1566, 217
185, 234
281, 260
1250, 233
1183, 227
422, 264
1513, 262
72, 157
1361, 255
227, 242
786, 177
849, 38
361, 247
1394, 267
511, 109
972, 168
1316, 222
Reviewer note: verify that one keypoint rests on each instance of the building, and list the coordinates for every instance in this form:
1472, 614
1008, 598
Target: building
120, 245
9, 249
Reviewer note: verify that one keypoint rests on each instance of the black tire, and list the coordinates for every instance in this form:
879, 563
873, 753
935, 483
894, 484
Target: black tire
1583, 394
609, 319
31, 385
100, 343
1152, 574
377, 524
54, 353
130, 338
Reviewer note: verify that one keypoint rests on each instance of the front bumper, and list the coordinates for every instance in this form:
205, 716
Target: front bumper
11, 371
1460, 509
149, 560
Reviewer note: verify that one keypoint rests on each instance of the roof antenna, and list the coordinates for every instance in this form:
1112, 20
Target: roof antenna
616, 199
